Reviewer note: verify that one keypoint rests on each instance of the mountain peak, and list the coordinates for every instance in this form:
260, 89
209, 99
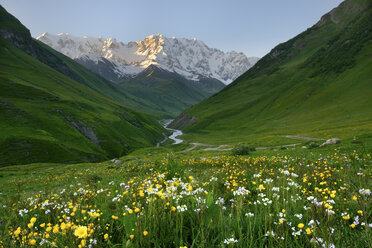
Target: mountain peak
191, 58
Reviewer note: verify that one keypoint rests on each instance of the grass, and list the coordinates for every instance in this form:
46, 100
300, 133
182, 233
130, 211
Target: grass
321, 89
45, 116
168, 92
306, 196
166, 198
7, 21
52, 109
107, 88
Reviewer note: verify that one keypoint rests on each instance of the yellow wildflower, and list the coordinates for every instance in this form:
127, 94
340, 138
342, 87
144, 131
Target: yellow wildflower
32, 242
94, 214
81, 232
17, 232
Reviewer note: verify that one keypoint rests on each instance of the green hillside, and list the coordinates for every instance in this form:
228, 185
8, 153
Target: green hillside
21, 38
45, 115
162, 94
168, 92
112, 90
317, 84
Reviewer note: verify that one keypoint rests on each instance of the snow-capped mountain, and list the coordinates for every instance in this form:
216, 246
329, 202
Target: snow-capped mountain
190, 58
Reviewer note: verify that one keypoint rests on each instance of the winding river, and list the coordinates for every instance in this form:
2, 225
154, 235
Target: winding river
173, 136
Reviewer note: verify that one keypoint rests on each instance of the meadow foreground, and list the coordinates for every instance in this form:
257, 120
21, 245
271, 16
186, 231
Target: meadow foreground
312, 198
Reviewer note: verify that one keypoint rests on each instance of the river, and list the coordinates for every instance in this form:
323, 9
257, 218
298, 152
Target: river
173, 136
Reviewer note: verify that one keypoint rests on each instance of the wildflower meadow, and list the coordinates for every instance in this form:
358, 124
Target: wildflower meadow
322, 200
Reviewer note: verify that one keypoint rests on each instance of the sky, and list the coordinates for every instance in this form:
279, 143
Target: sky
250, 26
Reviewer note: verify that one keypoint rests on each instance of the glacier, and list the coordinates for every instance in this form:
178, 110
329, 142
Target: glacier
191, 58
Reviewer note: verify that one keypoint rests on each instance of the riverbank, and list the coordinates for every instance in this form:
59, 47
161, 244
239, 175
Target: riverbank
173, 136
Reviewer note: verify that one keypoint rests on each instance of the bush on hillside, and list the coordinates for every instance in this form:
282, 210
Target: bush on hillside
242, 150
312, 145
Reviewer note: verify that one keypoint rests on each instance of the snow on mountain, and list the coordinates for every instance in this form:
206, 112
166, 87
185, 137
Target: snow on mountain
190, 58
107, 68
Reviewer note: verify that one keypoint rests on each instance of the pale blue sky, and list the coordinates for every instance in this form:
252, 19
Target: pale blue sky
250, 26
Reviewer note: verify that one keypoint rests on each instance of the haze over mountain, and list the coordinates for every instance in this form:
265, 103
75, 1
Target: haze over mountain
115, 60
316, 84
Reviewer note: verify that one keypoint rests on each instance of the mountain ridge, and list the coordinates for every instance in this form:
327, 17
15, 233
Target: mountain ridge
190, 58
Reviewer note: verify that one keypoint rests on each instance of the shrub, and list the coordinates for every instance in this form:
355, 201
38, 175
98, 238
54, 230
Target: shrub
355, 141
242, 150
312, 145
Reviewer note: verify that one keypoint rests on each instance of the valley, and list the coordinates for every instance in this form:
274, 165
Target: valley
167, 142
174, 133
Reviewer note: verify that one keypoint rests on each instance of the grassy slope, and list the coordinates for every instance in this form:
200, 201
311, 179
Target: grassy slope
166, 91
317, 84
161, 95
47, 116
7, 21
336, 166
39, 107
144, 103
118, 93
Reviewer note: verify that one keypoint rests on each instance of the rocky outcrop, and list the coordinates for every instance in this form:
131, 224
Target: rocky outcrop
344, 9
331, 141
86, 131
182, 121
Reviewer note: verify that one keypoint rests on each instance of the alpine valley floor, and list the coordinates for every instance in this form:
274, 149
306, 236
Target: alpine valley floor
164, 197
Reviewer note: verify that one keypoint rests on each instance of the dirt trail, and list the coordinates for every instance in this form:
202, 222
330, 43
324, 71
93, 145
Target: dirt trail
301, 137
222, 147
195, 145
218, 148
161, 142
